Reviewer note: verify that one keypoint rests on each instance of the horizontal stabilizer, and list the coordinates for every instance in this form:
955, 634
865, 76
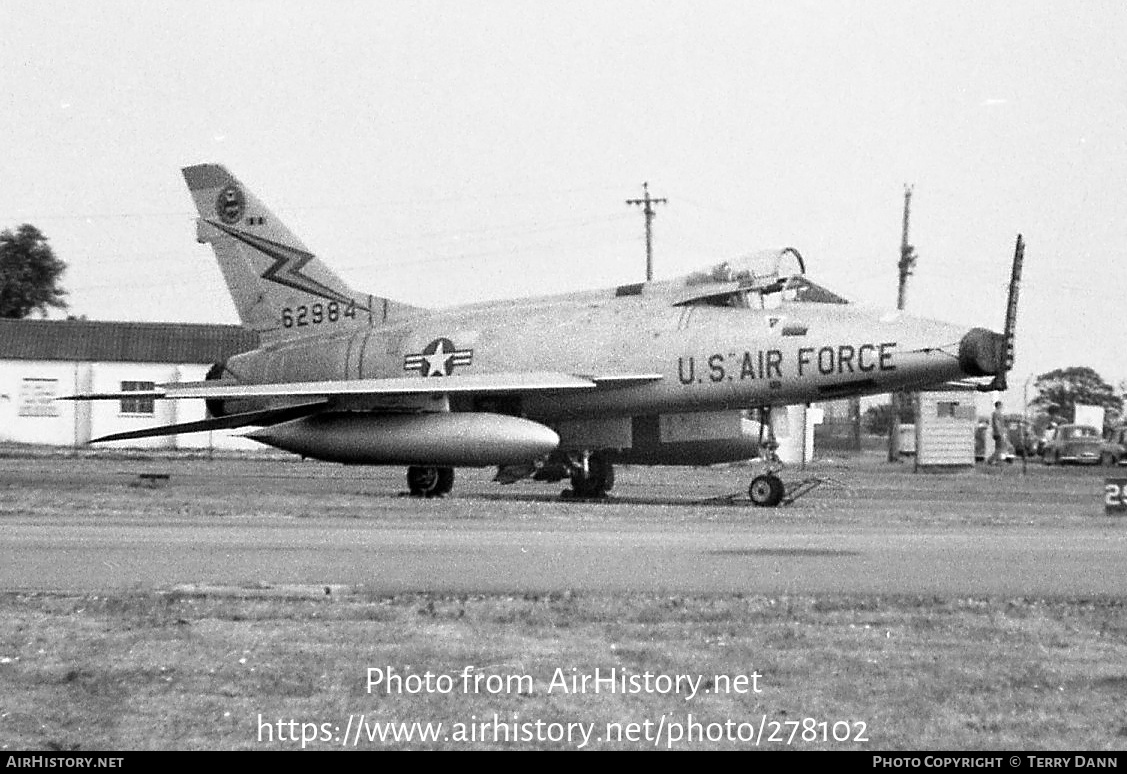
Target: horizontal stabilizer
159, 393
267, 417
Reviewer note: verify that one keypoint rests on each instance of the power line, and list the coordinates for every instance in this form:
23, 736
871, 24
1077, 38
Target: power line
595, 240
358, 205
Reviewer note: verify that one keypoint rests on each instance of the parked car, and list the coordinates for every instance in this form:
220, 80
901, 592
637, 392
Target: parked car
1113, 451
1074, 443
984, 443
1022, 439
907, 440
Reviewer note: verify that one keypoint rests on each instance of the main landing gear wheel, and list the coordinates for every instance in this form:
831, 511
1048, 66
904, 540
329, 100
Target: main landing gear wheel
429, 481
766, 490
596, 480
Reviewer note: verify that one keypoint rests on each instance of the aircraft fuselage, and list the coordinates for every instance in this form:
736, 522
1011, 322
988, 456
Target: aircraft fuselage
709, 358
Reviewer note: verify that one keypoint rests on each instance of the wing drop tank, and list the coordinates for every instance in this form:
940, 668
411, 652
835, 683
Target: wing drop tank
467, 439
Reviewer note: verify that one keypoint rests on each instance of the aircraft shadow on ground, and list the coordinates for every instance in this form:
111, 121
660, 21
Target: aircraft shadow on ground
734, 500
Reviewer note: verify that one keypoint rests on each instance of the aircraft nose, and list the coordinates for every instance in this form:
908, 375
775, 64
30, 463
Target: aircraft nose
982, 352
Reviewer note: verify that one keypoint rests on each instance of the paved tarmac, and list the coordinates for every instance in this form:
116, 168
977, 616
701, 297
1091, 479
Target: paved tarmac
919, 536
491, 557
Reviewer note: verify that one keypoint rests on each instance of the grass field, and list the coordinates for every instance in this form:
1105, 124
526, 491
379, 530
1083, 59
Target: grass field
259, 668
170, 671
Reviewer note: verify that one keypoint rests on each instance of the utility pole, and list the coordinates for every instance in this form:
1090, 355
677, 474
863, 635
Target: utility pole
906, 265
907, 253
648, 210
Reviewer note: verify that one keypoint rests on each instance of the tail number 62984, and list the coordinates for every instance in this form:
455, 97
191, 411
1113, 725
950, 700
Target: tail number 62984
315, 314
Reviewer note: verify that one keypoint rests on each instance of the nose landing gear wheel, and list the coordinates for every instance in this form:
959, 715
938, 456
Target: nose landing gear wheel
428, 481
766, 490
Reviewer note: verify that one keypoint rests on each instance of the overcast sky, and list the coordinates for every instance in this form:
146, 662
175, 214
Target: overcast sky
449, 152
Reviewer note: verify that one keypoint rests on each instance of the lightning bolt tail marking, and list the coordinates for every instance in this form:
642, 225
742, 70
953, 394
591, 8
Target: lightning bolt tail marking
287, 266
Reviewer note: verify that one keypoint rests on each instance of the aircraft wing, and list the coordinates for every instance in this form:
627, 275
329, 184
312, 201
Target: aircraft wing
467, 383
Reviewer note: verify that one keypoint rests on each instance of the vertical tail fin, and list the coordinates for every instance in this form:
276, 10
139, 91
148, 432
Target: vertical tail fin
281, 290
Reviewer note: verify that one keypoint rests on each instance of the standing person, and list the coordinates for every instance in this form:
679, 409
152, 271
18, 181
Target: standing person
998, 429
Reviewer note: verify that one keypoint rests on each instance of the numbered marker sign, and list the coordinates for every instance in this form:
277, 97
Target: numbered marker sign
1115, 496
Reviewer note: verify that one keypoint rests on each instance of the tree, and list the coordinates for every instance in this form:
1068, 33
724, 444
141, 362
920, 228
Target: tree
29, 274
1059, 391
878, 419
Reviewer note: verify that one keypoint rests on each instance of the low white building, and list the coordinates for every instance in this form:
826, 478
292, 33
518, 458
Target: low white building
944, 430
41, 360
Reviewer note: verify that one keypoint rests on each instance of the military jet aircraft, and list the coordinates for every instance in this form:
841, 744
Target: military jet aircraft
561, 386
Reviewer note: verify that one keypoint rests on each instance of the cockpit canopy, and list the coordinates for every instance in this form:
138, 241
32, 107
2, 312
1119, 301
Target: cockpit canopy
758, 280
752, 269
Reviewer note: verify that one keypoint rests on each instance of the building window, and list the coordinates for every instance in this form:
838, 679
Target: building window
142, 404
37, 398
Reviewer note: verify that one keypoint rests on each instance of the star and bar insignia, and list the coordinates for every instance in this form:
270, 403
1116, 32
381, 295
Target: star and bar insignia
438, 358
